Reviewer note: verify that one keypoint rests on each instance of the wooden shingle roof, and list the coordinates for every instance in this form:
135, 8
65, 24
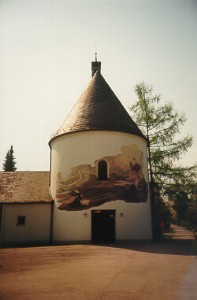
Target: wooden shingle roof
98, 108
24, 187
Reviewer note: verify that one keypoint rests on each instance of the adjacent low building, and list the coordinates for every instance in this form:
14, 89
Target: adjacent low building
25, 208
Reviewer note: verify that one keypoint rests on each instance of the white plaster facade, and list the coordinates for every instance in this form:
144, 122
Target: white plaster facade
35, 230
133, 220
70, 150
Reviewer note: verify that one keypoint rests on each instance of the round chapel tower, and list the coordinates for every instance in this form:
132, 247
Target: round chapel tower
99, 175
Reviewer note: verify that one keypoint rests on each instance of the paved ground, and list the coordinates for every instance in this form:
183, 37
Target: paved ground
163, 270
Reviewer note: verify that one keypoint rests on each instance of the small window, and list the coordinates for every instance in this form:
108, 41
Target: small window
21, 220
102, 170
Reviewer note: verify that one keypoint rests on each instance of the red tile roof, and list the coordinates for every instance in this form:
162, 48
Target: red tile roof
22, 187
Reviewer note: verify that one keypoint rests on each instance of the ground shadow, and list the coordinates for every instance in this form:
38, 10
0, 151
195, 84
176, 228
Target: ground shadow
164, 246
177, 241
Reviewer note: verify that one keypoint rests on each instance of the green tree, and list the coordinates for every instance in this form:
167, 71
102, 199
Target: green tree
181, 205
161, 125
9, 163
192, 216
184, 198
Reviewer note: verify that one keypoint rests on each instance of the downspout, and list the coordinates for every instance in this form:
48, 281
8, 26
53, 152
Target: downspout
52, 206
151, 185
152, 195
51, 223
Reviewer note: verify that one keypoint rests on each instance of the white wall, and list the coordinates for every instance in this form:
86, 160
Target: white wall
36, 228
134, 224
71, 226
74, 149
86, 147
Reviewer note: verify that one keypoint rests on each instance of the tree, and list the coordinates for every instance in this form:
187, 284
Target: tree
161, 125
192, 216
181, 205
9, 163
184, 200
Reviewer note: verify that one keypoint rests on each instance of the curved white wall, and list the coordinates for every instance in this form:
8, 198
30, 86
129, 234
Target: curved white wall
86, 147
133, 221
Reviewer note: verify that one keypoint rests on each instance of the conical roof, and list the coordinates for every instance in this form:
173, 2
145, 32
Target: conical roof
98, 108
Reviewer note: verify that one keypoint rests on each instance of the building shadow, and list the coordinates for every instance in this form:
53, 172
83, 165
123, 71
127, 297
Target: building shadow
178, 241
186, 247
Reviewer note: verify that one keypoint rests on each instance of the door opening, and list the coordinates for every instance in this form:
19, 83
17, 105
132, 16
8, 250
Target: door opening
103, 226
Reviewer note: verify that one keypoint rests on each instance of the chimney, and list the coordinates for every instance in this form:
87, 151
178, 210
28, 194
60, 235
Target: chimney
96, 65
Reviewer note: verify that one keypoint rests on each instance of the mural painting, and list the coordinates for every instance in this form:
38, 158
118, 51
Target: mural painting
111, 178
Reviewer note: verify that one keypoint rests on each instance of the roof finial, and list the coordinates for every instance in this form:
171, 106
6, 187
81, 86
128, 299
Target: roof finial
96, 65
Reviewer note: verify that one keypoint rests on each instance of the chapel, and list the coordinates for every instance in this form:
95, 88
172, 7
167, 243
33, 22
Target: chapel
99, 171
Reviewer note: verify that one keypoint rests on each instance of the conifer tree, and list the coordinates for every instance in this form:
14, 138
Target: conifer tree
161, 125
9, 163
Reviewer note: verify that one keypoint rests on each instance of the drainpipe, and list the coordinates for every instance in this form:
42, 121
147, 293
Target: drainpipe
52, 205
51, 223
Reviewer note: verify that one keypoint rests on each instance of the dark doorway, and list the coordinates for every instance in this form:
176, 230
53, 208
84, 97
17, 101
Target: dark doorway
103, 226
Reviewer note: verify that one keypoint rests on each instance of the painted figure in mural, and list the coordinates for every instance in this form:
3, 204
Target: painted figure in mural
84, 189
138, 189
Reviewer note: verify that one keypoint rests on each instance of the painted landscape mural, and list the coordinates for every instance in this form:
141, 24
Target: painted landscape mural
111, 178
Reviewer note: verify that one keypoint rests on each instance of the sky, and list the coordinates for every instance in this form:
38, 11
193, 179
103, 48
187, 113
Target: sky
45, 64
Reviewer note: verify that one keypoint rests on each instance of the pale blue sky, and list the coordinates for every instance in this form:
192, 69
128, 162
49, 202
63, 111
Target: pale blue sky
45, 63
